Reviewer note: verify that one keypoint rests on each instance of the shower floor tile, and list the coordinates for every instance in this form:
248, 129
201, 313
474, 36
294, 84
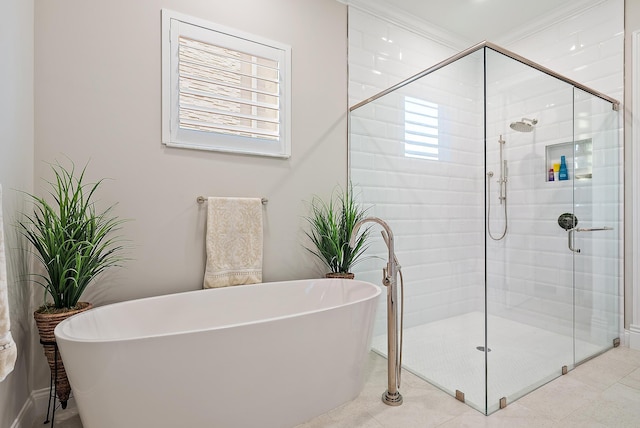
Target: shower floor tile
449, 354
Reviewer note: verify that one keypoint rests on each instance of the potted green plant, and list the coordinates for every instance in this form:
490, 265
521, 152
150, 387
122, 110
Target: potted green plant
331, 226
74, 243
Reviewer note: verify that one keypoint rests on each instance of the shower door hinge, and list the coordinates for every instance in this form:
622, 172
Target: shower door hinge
565, 370
503, 402
616, 342
459, 395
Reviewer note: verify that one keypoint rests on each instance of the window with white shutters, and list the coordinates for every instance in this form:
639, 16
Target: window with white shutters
223, 89
420, 129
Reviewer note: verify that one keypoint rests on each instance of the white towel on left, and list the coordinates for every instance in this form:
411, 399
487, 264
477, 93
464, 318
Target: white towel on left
8, 351
234, 242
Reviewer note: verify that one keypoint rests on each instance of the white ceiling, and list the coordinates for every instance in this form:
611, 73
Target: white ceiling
478, 20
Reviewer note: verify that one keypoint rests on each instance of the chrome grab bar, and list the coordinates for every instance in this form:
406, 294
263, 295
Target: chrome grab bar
583, 229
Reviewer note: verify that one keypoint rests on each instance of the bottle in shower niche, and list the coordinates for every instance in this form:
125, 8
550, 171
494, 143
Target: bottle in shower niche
563, 174
550, 177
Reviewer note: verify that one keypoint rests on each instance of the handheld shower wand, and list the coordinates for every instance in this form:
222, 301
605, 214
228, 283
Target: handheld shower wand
502, 195
503, 174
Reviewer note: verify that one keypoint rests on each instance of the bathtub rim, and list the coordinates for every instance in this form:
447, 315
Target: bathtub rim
62, 335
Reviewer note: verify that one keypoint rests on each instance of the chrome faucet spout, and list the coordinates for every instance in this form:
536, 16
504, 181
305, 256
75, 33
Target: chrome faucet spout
391, 396
387, 235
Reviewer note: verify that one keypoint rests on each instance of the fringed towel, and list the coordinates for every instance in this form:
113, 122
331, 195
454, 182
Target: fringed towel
234, 242
8, 351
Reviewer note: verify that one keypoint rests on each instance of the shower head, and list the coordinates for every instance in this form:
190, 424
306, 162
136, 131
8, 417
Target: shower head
525, 125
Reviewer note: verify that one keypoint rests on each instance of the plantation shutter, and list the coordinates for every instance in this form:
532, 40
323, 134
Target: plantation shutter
420, 128
227, 92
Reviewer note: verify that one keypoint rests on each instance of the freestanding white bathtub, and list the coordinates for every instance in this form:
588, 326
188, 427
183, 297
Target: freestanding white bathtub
264, 355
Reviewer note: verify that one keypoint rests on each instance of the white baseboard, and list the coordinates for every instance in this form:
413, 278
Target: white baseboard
26, 413
634, 337
34, 407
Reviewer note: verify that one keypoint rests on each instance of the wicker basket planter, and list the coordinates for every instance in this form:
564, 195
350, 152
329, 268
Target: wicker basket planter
47, 322
344, 275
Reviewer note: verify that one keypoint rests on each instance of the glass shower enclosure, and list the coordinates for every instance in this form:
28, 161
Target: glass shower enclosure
502, 182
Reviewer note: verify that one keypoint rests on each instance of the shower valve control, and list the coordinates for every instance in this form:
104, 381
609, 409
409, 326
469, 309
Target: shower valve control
569, 222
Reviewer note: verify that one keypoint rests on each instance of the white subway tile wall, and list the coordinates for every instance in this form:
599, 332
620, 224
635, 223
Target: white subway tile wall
436, 207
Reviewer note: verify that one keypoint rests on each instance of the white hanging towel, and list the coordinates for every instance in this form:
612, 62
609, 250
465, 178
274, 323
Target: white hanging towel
8, 351
234, 242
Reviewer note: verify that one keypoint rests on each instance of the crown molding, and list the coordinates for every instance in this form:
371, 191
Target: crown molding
428, 29
419, 26
564, 12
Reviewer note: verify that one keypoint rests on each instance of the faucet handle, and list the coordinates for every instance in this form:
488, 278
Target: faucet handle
386, 281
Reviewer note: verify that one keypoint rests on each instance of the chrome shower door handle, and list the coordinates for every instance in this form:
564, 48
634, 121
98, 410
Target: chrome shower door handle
583, 229
570, 237
592, 229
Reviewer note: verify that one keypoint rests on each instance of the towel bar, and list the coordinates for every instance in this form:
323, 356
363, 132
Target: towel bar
202, 200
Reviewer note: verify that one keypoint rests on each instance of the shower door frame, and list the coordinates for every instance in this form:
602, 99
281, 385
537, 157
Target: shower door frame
484, 44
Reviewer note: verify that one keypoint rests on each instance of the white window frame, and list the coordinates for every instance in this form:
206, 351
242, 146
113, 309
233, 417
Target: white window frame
175, 24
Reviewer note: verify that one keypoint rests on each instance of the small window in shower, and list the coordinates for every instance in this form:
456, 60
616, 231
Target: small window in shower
420, 129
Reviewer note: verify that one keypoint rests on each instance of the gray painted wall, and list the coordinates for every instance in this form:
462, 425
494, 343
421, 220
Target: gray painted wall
16, 172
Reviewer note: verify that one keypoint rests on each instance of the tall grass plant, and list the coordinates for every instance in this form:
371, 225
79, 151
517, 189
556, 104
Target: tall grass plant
71, 238
331, 226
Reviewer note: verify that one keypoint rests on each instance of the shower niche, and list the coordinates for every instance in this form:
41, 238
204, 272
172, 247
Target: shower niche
578, 155
492, 318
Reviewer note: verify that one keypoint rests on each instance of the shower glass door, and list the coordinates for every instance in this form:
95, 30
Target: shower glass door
596, 254
529, 271
552, 290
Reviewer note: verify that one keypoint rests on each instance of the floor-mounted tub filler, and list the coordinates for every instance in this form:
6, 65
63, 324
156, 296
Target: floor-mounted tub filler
268, 355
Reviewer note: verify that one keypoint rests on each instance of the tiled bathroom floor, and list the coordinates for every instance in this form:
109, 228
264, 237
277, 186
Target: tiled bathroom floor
603, 392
